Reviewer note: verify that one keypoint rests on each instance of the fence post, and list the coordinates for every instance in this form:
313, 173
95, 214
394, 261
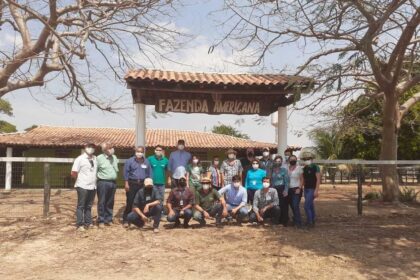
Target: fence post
47, 189
359, 190
8, 179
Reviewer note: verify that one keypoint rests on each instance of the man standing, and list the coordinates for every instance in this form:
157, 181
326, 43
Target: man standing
178, 158
215, 174
136, 169
265, 162
84, 169
246, 163
159, 164
230, 167
208, 203
266, 204
180, 203
107, 176
146, 204
236, 197
311, 182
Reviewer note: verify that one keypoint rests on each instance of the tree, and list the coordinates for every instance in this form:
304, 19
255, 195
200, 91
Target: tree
228, 130
6, 108
327, 142
358, 47
73, 40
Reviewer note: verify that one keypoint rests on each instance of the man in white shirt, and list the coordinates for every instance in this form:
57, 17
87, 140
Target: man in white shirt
84, 170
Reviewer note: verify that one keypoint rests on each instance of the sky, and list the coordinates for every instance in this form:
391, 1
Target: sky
39, 106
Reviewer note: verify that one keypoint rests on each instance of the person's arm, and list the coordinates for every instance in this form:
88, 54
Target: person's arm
191, 202
75, 168
257, 211
246, 180
169, 204
126, 173
149, 170
115, 163
302, 182
286, 182
171, 160
318, 182
240, 168
136, 206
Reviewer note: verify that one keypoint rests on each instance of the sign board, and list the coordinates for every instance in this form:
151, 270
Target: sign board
209, 106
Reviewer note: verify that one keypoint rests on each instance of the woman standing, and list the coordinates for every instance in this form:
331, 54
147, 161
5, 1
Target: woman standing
280, 182
254, 180
295, 189
230, 167
215, 175
194, 172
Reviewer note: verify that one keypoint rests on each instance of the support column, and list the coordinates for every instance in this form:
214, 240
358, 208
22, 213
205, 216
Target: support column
140, 124
281, 130
8, 181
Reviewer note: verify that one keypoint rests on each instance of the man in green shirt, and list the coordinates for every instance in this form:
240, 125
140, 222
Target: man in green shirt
208, 203
159, 164
106, 184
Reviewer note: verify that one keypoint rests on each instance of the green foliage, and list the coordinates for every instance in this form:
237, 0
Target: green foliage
5, 107
31, 127
328, 144
6, 127
372, 196
408, 194
228, 130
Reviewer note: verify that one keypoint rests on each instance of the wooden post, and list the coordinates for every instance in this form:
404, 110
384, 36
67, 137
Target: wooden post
47, 189
359, 191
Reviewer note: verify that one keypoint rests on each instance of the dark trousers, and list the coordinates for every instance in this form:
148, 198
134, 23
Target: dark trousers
215, 212
130, 195
273, 213
155, 212
284, 205
175, 218
84, 206
294, 202
106, 194
251, 194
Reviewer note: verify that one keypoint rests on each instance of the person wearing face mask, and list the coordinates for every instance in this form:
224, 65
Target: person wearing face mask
180, 202
287, 154
311, 182
106, 184
253, 180
266, 204
178, 158
136, 169
159, 164
146, 204
194, 172
265, 162
280, 182
230, 167
208, 204
236, 197
295, 189
215, 174
84, 169
246, 163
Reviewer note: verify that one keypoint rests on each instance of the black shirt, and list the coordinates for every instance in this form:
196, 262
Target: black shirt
144, 196
309, 175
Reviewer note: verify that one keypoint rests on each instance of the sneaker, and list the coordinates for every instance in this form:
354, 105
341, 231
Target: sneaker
101, 225
177, 224
186, 225
203, 223
91, 226
156, 230
80, 228
125, 225
109, 224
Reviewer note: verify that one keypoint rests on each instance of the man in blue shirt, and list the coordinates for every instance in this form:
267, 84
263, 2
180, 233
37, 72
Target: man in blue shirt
178, 158
236, 198
136, 169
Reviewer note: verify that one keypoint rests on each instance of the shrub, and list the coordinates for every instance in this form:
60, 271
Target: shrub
372, 196
408, 194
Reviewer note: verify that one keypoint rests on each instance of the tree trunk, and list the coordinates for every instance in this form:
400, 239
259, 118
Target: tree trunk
389, 146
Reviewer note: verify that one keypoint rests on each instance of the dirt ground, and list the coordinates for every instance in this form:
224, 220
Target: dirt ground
382, 244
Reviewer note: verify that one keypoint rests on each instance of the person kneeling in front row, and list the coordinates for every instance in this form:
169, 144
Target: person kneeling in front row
146, 204
266, 204
236, 198
179, 203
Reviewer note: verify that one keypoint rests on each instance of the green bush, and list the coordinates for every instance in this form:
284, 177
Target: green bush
408, 194
372, 196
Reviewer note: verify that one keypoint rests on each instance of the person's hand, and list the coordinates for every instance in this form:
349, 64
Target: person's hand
126, 187
146, 209
234, 211
171, 213
315, 194
206, 215
144, 218
262, 211
298, 191
285, 193
224, 213
260, 219
169, 181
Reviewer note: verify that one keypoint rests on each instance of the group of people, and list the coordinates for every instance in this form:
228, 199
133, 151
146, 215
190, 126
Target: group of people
254, 189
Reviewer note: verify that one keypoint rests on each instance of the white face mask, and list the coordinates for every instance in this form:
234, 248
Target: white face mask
237, 185
255, 166
158, 153
266, 185
206, 187
89, 150
181, 147
266, 154
139, 154
195, 161
111, 151
231, 156
307, 162
216, 162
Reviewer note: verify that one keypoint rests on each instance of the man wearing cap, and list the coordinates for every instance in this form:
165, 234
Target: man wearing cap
146, 204
84, 170
208, 204
180, 203
236, 197
136, 169
266, 163
107, 174
230, 167
266, 204
180, 157
311, 182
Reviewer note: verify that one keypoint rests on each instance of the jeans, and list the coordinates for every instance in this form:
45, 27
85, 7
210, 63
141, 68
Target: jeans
309, 205
251, 194
175, 218
161, 189
294, 200
215, 212
106, 194
130, 195
273, 213
154, 212
283, 204
84, 206
241, 215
